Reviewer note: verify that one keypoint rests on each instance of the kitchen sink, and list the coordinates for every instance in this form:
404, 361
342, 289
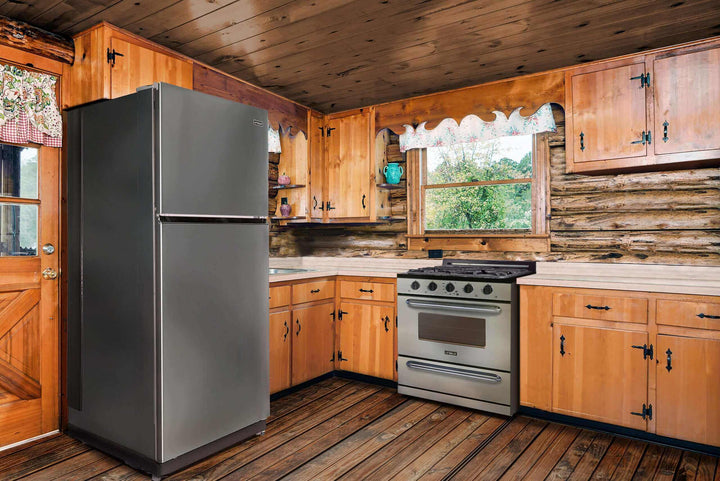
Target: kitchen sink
276, 270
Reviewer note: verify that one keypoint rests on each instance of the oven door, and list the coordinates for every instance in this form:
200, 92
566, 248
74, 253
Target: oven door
474, 333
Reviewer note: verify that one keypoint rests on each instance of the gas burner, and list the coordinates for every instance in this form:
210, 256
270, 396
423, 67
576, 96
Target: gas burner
472, 269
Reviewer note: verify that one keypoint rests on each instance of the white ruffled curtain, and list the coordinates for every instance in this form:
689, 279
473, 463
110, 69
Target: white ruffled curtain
274, 141
473, 129
29, 111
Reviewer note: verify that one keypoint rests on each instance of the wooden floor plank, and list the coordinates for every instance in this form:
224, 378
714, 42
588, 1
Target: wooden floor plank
706, 468
453, 459
407, 448
121, 473
542, 468
296, 400
564, 468
54, 437
80, 467
512, 451
30, 452
43, 461
343, 425
534, 452
493, 448
688, 468
442, 448
609, 463
668, 464
592, 457
629, 461
649, 463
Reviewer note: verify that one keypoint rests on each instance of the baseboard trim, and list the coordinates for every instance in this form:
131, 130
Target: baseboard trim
619, 431
341, 374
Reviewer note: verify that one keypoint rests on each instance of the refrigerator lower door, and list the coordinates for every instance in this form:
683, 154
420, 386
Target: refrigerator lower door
214, 332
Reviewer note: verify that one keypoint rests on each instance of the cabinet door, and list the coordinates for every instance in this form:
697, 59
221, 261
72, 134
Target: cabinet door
349, 171
598, 375
141, 66
608, 114
280, 340
313, 341
688, 391
687, 102
367, 339
317, 166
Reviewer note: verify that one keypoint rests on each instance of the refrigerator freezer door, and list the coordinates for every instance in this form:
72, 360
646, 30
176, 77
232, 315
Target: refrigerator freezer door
213, 155
214, 332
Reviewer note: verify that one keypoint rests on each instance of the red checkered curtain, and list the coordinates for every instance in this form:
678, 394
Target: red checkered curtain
30, 110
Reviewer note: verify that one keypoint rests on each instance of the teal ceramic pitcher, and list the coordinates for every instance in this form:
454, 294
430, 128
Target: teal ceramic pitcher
393, 172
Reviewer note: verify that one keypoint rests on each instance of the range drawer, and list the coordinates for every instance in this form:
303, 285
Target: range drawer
372, 291
313, 291
601, 307
700, 315
279, 296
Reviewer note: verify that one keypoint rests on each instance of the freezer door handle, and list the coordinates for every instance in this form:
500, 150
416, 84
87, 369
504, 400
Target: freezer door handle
455, 371
212, 219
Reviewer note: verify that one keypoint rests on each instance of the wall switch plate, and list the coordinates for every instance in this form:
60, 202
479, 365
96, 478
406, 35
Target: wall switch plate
435, 253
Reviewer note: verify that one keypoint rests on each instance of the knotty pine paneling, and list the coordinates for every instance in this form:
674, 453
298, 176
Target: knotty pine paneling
656, 217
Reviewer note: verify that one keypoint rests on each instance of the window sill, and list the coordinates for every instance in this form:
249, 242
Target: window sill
480, 242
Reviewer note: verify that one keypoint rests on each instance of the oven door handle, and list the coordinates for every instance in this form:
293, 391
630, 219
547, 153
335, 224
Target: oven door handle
454, 371
493, 310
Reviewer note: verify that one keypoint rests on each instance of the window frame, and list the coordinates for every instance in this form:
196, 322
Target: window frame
536, 240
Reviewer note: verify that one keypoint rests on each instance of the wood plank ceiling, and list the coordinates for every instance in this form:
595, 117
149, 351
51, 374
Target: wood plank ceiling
339, 54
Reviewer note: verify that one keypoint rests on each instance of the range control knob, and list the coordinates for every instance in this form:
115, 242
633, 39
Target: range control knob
432, 286
450, 287
468, 288
415, 286
487, 289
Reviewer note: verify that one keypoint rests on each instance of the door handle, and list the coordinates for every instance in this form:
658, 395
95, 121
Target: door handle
455, 371
562, 345
702, 315
363, 201
367, 290
582, 141
600, 308
297, 321
314, 291
49, 273
287, 331
669, 360
386, 320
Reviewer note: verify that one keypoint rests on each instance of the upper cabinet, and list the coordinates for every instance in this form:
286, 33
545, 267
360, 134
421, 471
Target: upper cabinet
110, 63
650, 112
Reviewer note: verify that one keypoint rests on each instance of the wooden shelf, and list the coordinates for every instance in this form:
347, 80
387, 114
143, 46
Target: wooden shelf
289, 186
401, 185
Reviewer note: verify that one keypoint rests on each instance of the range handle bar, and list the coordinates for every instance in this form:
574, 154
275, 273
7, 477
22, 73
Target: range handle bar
455, 371
446, 306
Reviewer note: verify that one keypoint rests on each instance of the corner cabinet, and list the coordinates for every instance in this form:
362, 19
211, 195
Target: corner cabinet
645, 112
646, 361
110, 63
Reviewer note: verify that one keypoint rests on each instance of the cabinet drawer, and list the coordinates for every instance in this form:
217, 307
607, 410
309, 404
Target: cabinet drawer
604, 308
700, 315
313, 291
375, 291
279, 296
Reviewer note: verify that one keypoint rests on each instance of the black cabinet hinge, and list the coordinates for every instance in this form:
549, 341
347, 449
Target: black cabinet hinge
340, 356
333, 357
644, 79
340, 314
333, 315
647, 351
329, 130
111, 55
646, 412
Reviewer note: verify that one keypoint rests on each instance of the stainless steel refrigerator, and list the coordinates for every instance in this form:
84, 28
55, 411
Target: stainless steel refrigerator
167, 273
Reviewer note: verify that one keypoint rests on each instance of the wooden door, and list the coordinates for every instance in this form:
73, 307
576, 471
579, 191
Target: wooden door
688, 393
141, 66
313, 341
367, 338
280, 341
598, 375
316, 164
29, 332
608, 114
349, 170
687, 101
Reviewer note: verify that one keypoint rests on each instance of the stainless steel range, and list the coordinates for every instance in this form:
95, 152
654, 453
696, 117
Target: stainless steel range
458, 333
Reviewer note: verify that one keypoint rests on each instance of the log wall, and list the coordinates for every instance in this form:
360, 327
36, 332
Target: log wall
658, 217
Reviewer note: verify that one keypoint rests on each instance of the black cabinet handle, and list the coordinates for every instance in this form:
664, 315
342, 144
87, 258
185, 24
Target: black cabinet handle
314, 291
367, 290
707, 316
600, 308
562, 345
665, 133
287, 331
363, 201
297, 321
669, 360
387, 319
582, 141
315, 202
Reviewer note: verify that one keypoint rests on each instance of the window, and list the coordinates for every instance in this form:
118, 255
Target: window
18, 200
488, 195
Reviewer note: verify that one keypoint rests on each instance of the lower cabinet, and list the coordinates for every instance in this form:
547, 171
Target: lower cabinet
280, 352
313, 341
598, 375
688, 388
367, 339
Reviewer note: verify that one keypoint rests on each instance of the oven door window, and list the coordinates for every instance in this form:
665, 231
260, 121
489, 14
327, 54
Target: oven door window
469, 331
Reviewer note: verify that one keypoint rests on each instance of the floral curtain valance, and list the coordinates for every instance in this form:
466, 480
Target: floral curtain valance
274, 141
473, 129
29, 108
